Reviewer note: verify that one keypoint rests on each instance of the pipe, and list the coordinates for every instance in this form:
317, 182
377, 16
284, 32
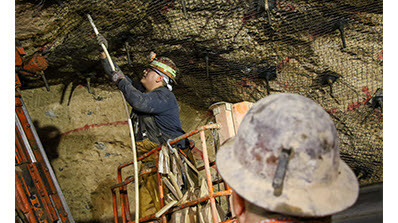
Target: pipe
136, 185
114, 200
45, 81
102, 45
126, 45
267, 10
160, 187
129, 123
208, 177
184, 8
201, 199
131, 179
88, 85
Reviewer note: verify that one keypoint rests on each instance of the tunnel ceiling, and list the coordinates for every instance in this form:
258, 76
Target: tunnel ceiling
229, 50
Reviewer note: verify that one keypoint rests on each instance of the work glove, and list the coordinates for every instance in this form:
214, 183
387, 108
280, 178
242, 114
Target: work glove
116, 76
101, 40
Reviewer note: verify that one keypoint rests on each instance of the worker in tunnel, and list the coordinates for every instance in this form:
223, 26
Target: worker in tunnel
155, 116
284, 164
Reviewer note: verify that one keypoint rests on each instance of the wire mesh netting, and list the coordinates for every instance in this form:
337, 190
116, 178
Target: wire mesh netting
230, 50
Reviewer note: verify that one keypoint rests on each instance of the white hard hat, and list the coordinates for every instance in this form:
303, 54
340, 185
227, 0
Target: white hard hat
285, 159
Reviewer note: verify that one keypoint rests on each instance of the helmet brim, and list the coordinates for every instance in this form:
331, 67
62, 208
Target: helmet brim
311, 200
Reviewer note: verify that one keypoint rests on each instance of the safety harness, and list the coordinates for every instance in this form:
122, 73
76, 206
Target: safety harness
149, 129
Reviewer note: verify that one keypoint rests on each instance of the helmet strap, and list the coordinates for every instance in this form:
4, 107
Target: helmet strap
165, 78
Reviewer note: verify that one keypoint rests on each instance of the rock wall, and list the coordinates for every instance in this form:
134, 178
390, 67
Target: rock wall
88, 139
226, 50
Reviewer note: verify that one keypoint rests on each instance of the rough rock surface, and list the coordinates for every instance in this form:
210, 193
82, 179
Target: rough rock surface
87, 140
248, 58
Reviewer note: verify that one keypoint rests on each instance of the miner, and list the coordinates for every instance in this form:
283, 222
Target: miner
155, 115
284, 164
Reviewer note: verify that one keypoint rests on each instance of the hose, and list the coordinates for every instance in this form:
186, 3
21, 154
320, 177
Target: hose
130, 126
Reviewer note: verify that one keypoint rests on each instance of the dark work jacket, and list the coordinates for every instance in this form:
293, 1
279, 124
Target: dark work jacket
156, 112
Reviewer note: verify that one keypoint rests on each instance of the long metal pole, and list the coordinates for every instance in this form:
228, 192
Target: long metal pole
208, 177
130, 127
25, 139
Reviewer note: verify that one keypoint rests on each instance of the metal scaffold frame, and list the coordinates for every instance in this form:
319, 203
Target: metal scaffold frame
122, 185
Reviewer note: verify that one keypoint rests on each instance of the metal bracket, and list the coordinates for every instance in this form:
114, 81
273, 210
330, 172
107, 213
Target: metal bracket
277, 182
172, 150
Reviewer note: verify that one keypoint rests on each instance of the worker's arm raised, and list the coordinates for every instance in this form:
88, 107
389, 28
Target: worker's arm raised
153, 102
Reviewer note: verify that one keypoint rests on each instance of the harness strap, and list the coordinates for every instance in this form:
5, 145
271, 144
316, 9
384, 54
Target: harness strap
149, 129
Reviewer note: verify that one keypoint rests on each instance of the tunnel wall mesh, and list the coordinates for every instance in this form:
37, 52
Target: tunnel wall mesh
230, 50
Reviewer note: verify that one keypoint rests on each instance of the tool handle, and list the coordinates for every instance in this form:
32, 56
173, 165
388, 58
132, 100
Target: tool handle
102, 45
92, 24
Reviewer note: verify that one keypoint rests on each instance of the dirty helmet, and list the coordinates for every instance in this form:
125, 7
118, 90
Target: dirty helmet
166, 66
285, 159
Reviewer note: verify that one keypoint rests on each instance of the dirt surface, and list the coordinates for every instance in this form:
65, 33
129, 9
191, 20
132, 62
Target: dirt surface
87, 140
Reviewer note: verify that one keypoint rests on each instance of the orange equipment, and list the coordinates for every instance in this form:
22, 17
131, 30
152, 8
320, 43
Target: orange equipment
229, 116
19, 54
38, 197
36, 63
32, 66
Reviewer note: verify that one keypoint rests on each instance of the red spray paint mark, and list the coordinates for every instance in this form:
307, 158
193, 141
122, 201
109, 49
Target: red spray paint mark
311, 37
195, 150
333, 110
247, 17
381, 55
246, 82
166, 8
284, 62
378, 114
367, 92
286, 7
86, 127
284, 84
355, 105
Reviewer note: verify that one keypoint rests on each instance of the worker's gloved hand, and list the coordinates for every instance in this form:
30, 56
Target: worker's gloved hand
116, 76
101, 40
